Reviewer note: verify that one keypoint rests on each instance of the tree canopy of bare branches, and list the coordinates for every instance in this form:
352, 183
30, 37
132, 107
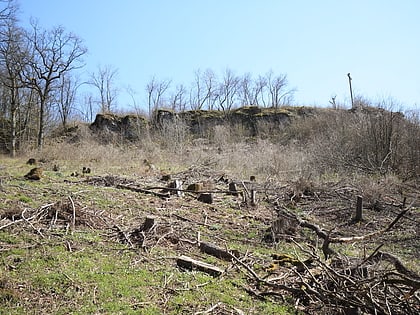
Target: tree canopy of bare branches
53, 53
103, 81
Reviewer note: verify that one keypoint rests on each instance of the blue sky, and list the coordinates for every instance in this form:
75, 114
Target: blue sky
316, 43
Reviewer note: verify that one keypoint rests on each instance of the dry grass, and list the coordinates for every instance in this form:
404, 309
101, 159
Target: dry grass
298, 170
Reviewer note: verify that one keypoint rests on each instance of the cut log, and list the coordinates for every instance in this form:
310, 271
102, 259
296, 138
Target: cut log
217, 251
192, 264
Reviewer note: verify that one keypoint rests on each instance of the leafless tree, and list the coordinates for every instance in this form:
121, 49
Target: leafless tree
155, 92
12, 56
103, 80
178, 100
210, 82
53, 54
8, 13
279, 95
203, 90
66, 97
245, 89
258, 91
87, 107
228, 90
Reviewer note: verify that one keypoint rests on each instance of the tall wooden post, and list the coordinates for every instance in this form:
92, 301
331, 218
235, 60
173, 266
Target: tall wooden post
351, 91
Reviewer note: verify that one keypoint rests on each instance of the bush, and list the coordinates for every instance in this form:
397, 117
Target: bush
370, 139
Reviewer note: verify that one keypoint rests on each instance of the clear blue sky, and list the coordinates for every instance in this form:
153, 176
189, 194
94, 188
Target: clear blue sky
316, 43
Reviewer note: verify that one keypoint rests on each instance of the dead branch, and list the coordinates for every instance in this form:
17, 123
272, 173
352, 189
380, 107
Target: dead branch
144, 191
73, 219
325, 235
191, 264
10, 223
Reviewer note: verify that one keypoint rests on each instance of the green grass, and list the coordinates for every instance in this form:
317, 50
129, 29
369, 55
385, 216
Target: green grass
100, 277
57, 269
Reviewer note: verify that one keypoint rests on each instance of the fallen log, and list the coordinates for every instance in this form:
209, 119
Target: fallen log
218, 252
192, 264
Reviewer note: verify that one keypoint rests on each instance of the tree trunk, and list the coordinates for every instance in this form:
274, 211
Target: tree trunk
13, 132
42, 102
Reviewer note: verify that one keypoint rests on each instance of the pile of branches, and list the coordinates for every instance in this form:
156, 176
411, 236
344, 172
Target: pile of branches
66, 214
378, 284
336, 283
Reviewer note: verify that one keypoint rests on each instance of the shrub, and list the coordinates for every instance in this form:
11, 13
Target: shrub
370, 139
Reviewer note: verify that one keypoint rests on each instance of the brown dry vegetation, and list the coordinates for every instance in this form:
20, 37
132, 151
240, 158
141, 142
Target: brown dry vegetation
77, 244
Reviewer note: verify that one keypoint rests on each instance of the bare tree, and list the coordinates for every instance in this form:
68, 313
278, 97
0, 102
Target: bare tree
279, 95
177, 100
103, 80
12, 56
66, 97
245, 89
87, 108
8, 10
53, 53
228, 90
258, 91
210, 81
155, 92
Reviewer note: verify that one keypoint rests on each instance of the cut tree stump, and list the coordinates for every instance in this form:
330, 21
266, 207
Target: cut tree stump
253, 197
148, 224
192, 264
233, 189
359, 207
206, 198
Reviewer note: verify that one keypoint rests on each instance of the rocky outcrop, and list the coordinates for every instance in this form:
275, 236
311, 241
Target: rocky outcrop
129, 127
252, 119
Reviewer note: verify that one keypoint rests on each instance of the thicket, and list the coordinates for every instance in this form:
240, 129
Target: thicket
369, 140
372, 140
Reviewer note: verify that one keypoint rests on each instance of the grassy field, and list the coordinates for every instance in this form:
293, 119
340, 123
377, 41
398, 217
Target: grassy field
50, 266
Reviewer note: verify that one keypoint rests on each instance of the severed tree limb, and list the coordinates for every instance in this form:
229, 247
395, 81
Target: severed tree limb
10, 223
27, 220
325, 235
210, 310
191, 264
144, 191
399, 266
73, 218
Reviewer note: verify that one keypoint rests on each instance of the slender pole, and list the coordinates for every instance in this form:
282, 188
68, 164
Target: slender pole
351, 91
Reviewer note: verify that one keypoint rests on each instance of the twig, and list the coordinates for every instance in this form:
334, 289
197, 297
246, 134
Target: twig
211, 309
10, 223
73, 219
32, 226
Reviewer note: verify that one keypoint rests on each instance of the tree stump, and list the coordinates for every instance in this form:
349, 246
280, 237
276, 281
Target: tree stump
148, 224
359, 208
206, 198
253, 197
233, 189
